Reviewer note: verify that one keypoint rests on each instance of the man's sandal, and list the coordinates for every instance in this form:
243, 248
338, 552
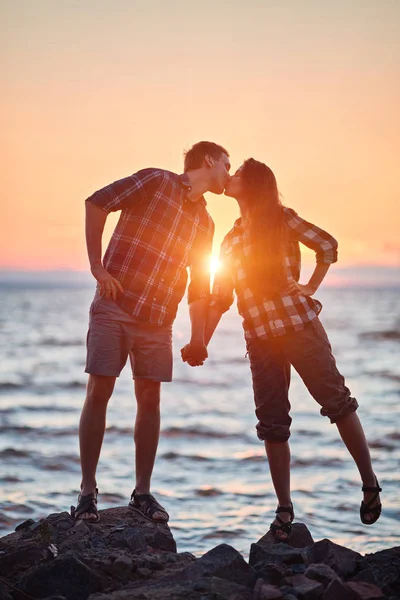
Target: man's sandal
284, 527
366, 507
147, 506
86, 504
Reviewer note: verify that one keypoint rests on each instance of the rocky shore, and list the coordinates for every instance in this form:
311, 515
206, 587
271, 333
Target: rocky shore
126, 557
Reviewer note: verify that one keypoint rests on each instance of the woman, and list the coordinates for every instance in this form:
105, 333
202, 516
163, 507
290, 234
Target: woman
260, 259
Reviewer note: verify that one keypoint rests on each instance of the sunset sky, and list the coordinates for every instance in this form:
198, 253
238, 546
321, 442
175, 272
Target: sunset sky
94, 90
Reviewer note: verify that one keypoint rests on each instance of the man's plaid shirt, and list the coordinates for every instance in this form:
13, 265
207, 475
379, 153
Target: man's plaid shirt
282, 313
159, 234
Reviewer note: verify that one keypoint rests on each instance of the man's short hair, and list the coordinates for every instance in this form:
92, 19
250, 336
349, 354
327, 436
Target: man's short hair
195, 156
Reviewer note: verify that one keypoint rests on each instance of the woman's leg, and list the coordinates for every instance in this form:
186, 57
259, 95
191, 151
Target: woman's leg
352, 434
278, 454
310, 353
271, 378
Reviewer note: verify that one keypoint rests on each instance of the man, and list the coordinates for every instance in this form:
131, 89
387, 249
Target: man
164, 228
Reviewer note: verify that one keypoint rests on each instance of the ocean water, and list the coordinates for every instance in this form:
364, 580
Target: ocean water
211, 472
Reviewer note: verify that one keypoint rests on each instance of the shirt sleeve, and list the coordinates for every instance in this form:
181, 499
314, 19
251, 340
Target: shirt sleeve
199, 286
313, 237
125, 192
222, 291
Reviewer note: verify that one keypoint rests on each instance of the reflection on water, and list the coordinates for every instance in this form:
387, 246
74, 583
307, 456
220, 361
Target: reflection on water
211, 472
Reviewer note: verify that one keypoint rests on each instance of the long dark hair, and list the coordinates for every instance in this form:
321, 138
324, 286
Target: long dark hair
265, 230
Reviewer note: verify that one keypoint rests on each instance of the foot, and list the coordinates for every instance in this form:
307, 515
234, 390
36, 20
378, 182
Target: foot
371, 507
148, 506
281, 527
86, 509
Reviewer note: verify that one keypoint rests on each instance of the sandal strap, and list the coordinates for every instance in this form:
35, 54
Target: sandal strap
287, 509
87, 503
367, 488
366, 508
147, 504
285, 527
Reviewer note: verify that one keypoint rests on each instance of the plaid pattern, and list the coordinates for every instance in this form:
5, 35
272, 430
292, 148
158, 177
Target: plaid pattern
159, 234
281, 313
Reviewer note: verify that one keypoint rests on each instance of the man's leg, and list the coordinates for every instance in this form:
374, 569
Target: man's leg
146, 434
91, 429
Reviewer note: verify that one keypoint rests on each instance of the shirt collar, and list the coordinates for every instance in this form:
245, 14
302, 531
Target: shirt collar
239, 224
185, 182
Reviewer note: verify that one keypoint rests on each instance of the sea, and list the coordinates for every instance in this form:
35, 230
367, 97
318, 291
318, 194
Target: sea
211, 473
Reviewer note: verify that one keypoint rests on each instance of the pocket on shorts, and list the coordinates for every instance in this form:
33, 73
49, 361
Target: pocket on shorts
95, 304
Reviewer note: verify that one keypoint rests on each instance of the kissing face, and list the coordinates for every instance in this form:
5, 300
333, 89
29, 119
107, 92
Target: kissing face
219, 174
234, 187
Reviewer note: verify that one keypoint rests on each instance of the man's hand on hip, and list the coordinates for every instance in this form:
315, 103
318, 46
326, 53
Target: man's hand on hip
108, 285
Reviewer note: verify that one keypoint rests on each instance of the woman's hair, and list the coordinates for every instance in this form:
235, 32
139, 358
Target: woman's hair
265, 225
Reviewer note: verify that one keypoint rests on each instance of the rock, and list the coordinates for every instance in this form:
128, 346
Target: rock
343, 561
126, 557
300, 538
264, 591
4, 592
322, 573
130, 537
271, 573
25, 525
385, 566
366, 575
279, 553
228, 590
222, 561
20, 560
366, 591
122, 566
81, 527
143, 572
338, 590
304, 588
67, 576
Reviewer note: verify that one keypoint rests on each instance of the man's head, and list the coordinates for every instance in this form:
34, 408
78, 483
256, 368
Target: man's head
213, 160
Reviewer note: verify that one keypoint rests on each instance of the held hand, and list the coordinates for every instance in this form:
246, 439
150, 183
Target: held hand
108, 285
194, 353
297, 289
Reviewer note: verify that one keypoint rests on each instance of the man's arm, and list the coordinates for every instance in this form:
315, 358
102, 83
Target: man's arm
95, 221
199, 295
122, 194
220, 301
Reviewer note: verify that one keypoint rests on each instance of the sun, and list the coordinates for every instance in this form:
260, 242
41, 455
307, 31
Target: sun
214, 265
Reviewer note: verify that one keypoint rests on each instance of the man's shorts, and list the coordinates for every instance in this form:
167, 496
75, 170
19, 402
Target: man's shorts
114, 335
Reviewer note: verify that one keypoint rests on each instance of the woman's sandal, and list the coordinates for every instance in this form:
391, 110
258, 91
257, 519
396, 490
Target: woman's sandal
366, 507
147, 506
86, 504
285, 527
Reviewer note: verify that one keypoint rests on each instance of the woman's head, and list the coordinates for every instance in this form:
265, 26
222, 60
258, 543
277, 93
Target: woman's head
254, 186
253, 182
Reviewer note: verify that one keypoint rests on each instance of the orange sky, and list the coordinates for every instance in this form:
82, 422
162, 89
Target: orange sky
95, 90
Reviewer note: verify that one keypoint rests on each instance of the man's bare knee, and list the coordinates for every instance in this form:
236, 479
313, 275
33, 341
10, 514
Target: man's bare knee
100, 388
147, 392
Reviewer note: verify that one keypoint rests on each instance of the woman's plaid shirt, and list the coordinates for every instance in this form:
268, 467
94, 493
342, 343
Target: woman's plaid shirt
159, 234
281, 313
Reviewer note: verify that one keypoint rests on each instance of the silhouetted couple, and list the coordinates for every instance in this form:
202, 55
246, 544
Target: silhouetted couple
164, 228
